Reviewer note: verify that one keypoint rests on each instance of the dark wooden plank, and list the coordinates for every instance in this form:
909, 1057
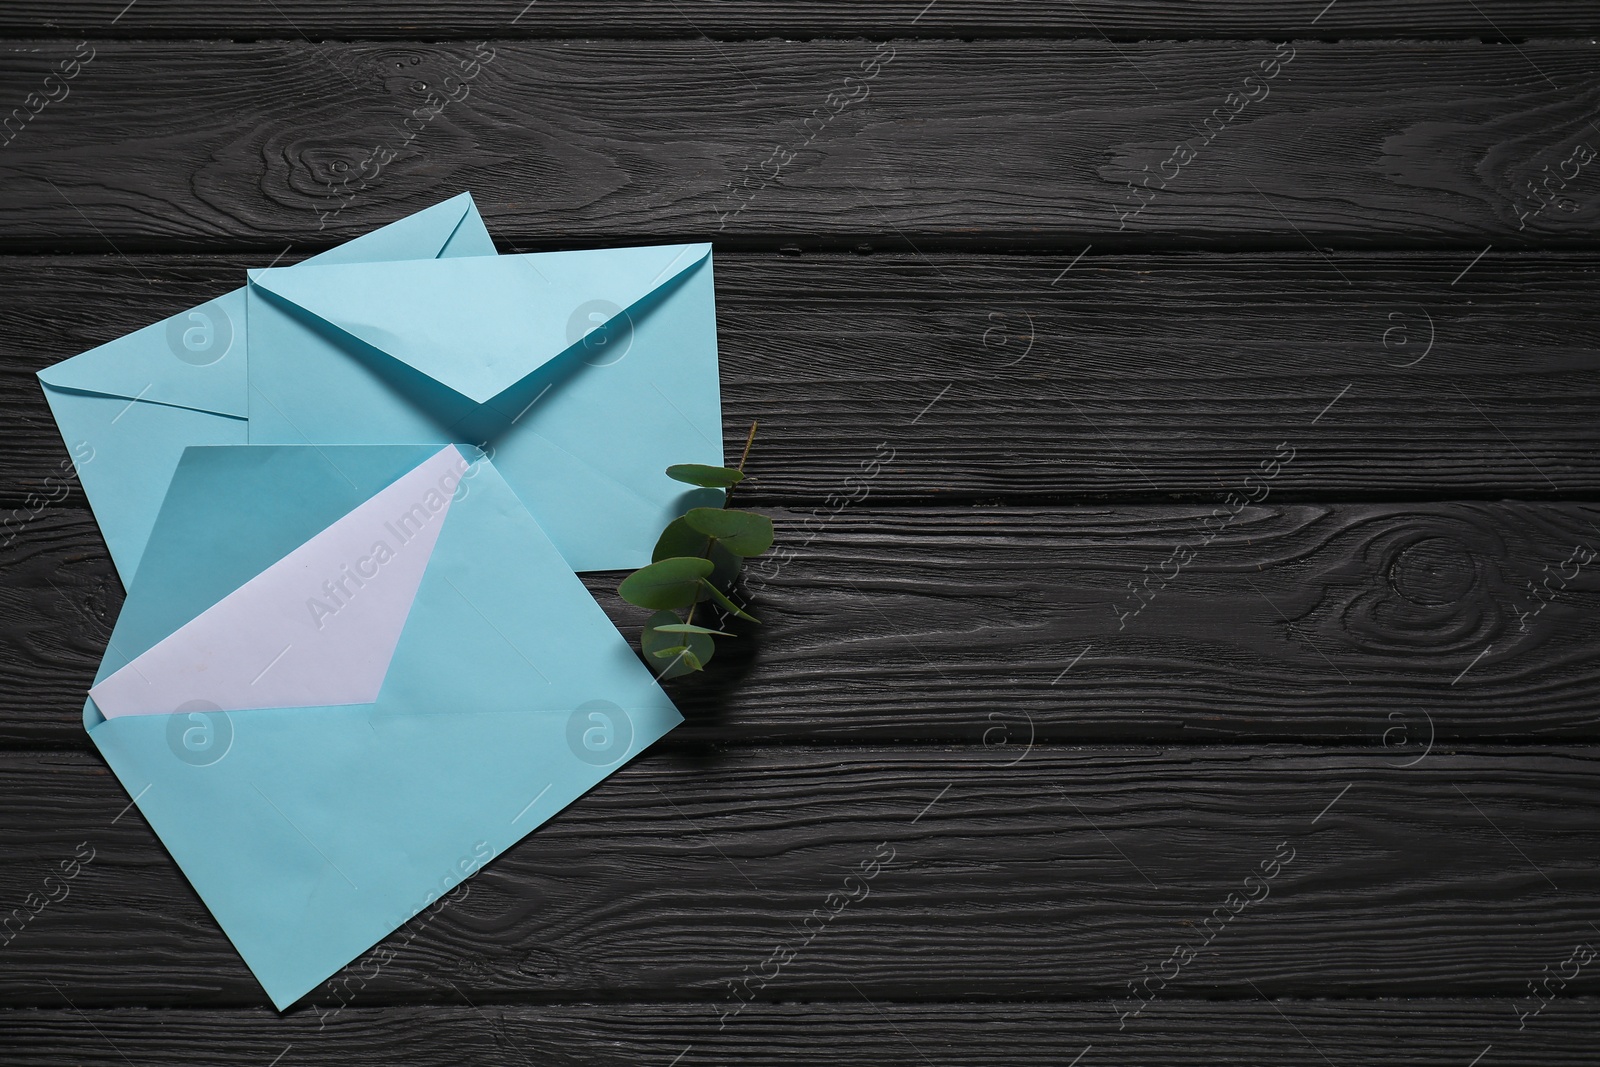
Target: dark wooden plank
999, 378
1411, 1033
968, 19
1361, 624
1067, 875
986, 144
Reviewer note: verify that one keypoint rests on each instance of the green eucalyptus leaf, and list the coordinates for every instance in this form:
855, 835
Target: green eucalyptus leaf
743, 533
681, 653
679, 539
689, 628
681, 662
653, 640
725, 566
721, 598
668, 583
704, 476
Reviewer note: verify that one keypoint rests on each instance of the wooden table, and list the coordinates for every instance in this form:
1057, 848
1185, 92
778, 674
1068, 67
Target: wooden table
1185, 441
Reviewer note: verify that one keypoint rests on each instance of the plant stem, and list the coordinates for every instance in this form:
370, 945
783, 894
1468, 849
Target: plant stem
750, 439
727, 494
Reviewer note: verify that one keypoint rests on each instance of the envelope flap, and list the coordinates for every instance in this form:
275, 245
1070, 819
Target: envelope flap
448, 229
232, 511
479, 325
194, 359
318, 627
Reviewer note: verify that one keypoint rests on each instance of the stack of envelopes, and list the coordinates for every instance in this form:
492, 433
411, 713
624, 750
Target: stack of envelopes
348, 502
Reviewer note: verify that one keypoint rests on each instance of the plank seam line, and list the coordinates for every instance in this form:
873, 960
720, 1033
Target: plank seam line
379, 1005
1285, 748
778, 36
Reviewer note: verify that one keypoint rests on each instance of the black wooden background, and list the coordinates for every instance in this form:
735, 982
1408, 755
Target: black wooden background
1374, 290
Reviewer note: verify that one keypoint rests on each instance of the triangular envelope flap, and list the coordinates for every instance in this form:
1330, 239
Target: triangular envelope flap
471, 237
311, 833
194, 359
318, 627
596, 485
450, 227
232, 511
479, 325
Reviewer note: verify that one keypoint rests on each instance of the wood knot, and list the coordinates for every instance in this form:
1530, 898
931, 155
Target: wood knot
1432, 571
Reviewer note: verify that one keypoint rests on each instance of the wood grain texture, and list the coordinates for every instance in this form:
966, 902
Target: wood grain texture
1410, 1033
1089, 19
991, 144
1357, 624
955, 665
1003, 379
1066, 875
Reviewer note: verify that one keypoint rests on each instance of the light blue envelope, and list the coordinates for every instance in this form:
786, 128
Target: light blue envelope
311, 832
128, 408
582, 374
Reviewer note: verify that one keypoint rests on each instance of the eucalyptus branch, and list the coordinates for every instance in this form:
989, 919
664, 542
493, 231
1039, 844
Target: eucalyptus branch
698, 557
